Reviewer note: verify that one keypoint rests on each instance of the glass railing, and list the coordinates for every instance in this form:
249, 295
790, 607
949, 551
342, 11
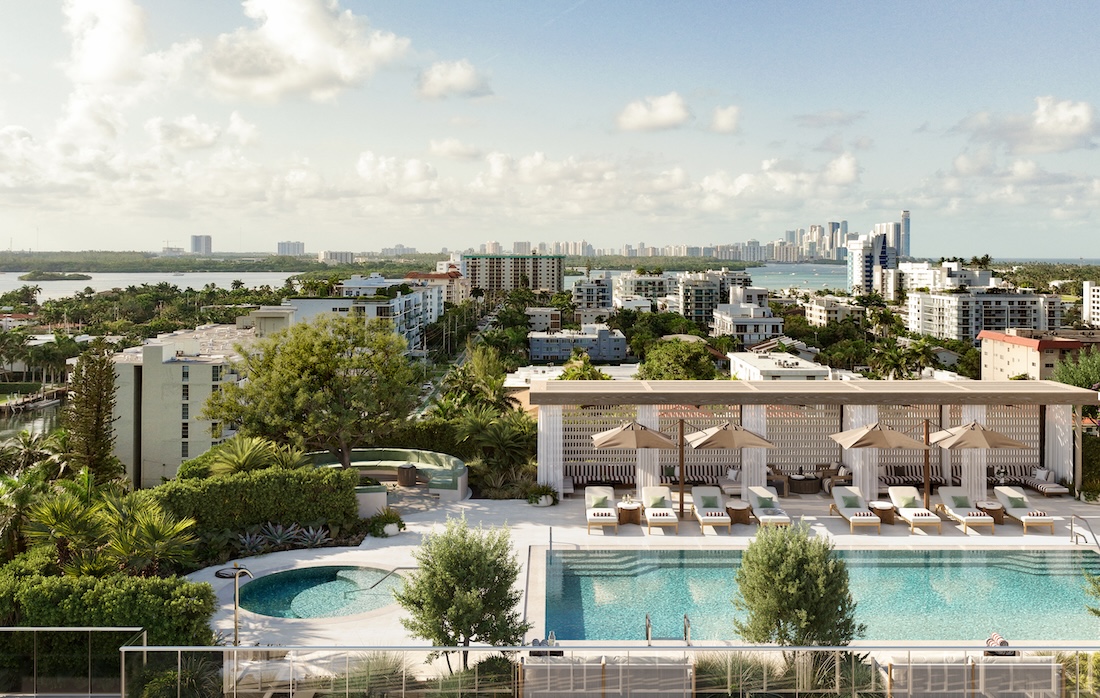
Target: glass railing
63, 661
603, 670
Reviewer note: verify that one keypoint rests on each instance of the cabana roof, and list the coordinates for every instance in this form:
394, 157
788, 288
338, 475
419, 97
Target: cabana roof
735, 392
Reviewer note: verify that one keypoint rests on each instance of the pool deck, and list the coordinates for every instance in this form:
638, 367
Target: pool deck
532, 529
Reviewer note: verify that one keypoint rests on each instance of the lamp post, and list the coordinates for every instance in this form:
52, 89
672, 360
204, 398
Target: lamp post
235, 573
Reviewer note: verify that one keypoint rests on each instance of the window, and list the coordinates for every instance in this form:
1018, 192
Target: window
215, 373
186, 411
184, 450
186, 392
186, 373
185, 430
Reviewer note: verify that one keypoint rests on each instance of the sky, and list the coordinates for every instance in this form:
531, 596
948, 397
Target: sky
354, 125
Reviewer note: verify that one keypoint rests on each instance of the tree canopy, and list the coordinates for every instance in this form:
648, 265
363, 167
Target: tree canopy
580, 368
89, 415
1084, 372
795, 590
333, 384
676, 359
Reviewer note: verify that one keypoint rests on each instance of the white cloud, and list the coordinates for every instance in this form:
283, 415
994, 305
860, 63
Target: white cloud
299, 47
842, 171
108, 41
454, 149
409, 180
245, 132
184, 133
452, 79
1054, 127
654, 113
830, 118
726, 119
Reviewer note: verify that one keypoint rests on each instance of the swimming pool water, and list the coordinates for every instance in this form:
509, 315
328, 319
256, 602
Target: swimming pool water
319, 592
944, 595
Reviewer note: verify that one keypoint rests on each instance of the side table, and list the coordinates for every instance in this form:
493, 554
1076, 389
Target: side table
883, 510
629, 513
805, 485
739, 512
992, 508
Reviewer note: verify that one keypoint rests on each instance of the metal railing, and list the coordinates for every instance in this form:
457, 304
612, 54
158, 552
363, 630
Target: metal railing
687, 630
648, 631
1050, 671
1074, 535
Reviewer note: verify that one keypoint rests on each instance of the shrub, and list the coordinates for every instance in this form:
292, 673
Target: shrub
537, 492
241, 500
312, 537
1090, 467
376, 525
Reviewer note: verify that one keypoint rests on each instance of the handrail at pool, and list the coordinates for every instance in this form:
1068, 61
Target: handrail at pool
1074, 534
648, 631
687, 630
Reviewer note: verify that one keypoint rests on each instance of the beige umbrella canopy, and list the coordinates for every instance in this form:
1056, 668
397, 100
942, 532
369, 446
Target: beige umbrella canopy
727, 435
876, 435
973, 435
632, 435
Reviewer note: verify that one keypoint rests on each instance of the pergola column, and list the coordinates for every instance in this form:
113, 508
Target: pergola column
754, 461
1059, 442
973, 459
862, 461
550, 467
647, 472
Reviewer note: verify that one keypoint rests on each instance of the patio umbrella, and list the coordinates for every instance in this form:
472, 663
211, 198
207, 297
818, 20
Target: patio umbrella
973, 435
877, 435
632, 435
727, 435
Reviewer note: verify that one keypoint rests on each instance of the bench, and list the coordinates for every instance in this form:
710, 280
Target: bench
445, 475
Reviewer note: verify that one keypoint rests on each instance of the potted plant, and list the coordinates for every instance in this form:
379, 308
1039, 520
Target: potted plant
542, 495
386, 523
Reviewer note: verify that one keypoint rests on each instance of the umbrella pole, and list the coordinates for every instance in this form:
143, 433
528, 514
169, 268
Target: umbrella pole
681, 468
927, 469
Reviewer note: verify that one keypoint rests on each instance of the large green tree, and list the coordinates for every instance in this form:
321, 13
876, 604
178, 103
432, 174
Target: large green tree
90, 413
580, 368
1084, 372
464, 589
678, 360
795, 591
332, 384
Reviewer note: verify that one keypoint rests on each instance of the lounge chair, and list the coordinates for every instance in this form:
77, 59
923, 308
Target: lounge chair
709, 507
658, 512
907, 500
1018, 507
764, 501
599, 507
850, 505
957, 505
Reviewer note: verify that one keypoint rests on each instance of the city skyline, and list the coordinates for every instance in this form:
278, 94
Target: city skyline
354, 125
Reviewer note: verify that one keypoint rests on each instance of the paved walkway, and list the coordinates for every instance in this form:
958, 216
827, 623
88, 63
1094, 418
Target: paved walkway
534, 528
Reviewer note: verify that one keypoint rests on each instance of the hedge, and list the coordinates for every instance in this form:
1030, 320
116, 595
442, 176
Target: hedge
238, 501
428, 435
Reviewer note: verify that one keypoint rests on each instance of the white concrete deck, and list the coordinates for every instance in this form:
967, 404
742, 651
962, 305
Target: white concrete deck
532, 529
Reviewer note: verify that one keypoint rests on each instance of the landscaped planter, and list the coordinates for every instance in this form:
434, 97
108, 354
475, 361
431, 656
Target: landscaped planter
371, 499
391, 529
544, 501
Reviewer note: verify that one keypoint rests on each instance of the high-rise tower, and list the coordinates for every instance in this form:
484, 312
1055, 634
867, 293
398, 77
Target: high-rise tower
903, 245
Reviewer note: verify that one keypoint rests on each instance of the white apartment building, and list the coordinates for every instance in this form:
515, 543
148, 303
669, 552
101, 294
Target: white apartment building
507, 272
1030, 353
1090, 303
910, 276
631, 284
291, 248
201, 245
866, 254
964, 315
543, 319
695, 297
594, 292
774, 366
747, 317
456, 288
162, 388
638, 304
821, 310
335, 257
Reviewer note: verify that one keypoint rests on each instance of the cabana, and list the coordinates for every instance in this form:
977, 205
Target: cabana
799, 416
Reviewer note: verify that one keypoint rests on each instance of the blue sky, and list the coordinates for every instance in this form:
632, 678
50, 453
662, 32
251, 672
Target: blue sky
357, 125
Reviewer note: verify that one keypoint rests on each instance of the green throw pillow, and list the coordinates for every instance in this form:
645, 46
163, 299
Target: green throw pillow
655, 503
960, 502
600, 502
907, 502
1017, 502
850, 502
710, 502
765, 502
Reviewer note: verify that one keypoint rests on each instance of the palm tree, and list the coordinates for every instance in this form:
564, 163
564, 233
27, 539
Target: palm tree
922, 354
67, 523
243, 453
889, 361
17, 495
289, 458
152, 539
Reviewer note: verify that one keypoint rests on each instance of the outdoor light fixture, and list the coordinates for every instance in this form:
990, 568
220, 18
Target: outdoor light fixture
235, 573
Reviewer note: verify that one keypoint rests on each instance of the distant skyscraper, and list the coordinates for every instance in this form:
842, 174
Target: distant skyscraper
200, 244
903, 251
519, 247
291, 249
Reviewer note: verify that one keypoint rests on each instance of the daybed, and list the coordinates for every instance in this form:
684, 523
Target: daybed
907, 500
955, 502
909, 475
658, 512
731, 483
850, 505
709, 507
764, 501
599, 507
1041, 480
1018, 507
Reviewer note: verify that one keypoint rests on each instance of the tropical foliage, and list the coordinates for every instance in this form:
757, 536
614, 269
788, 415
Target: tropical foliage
678, 360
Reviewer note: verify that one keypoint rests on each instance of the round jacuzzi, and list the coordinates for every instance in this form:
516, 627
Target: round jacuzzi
319, 592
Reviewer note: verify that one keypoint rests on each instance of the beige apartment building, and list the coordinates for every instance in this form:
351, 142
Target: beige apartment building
821, 310
162, 388
1029, 353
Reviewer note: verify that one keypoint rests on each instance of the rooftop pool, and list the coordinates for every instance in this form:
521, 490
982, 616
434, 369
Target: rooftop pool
945, 595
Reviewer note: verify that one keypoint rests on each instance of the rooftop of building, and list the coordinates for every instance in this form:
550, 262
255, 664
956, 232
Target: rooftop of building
1042, 340
216, 343
776, 361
